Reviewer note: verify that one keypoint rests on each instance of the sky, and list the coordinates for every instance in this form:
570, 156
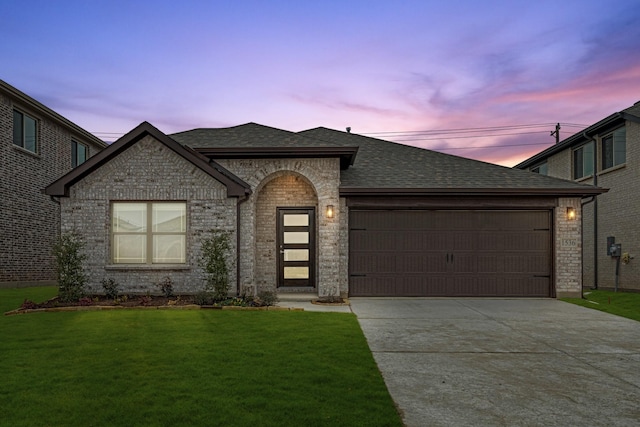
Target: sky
481, 79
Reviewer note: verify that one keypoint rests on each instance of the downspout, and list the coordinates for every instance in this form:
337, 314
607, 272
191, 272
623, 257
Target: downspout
241, 200
595, 210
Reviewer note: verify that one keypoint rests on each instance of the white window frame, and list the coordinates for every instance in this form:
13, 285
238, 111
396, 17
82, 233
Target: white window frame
148, 234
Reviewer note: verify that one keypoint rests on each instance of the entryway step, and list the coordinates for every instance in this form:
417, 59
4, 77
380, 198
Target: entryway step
296, 296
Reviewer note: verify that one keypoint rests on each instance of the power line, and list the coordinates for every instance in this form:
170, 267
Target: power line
471, 136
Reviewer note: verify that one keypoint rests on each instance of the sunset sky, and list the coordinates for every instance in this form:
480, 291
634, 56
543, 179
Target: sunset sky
384, 68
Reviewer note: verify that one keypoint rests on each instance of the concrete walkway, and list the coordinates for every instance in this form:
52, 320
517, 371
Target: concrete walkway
504, 362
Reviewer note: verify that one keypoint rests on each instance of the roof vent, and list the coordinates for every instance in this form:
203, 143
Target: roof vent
349, 129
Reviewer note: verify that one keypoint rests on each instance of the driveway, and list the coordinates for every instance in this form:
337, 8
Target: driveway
504, 362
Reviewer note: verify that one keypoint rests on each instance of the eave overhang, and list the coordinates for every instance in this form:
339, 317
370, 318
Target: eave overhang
555, 192
347, 155
604, 125
235, 186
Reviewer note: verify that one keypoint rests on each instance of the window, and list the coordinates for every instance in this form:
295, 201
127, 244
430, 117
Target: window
148, 233
542, 169
25, 132
78, 153
583, 161
614, 148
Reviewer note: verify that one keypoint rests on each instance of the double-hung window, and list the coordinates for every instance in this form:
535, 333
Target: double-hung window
583, 161
614, 148
148, 232
78, 153
25, 131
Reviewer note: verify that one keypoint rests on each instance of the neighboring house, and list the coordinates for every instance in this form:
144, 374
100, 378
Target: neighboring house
321, 211
37, 146
606, 154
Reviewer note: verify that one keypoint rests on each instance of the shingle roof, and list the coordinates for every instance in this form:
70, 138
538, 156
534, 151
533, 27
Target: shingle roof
249, 135
235, 186
386, 166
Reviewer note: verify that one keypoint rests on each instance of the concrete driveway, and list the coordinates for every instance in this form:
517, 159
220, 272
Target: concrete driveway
504, 362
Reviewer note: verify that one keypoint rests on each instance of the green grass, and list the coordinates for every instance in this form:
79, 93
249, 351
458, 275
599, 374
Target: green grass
179, 367
625, 304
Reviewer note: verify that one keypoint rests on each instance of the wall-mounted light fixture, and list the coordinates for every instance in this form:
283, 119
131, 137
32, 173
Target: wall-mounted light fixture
571, 213
330, 211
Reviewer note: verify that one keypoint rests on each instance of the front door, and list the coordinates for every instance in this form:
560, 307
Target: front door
296, 246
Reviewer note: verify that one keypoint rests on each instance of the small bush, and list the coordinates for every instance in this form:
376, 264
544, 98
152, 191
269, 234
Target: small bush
166, 287
203, 298
111, 288
68, 260
214, 262
28, 305
268, 298
85, 301
145, 300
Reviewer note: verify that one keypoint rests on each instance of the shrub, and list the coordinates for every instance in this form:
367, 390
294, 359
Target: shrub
85, 301
28, 305
166, 287
145, 300
68, 260
203, 298
111, 288
268, 298
214, 262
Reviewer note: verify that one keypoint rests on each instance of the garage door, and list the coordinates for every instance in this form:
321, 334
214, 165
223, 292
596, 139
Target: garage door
450, 253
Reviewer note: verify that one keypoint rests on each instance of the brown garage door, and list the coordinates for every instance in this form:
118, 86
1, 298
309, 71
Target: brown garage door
449, 253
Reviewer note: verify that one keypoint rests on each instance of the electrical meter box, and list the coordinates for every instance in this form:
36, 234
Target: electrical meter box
610, 241
616, 250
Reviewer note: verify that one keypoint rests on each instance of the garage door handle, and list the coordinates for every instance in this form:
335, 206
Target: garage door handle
358, 275
448, 258
546, 277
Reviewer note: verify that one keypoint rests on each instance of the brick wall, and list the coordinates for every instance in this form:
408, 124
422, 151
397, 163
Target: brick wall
148, 171
314, 176
568, 249
29, 222
618, 213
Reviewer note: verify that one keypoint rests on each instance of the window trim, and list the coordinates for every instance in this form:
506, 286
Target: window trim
74, 153
22, 145
613, 149
148, 233
573, 161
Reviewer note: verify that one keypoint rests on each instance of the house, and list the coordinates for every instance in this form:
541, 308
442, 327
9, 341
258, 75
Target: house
37, 146
321, 211
606, 154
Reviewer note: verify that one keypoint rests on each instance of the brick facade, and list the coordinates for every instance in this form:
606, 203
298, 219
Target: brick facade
288, 183
567, 250
618, 210
148, 171
30, 220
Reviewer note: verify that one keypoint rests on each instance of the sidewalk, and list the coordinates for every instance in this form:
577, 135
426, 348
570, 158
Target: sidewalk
295, 300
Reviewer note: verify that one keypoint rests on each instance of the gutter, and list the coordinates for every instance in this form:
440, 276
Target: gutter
240, 201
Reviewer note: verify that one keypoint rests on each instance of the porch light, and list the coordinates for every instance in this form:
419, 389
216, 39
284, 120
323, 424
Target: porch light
330, 211
571, 213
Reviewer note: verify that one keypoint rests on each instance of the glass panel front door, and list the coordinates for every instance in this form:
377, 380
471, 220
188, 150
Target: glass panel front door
296, 246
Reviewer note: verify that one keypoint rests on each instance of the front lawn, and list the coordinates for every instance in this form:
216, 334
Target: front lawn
198, 367
625, 304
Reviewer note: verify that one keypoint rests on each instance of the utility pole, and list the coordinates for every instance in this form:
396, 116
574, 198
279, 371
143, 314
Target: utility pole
556, 133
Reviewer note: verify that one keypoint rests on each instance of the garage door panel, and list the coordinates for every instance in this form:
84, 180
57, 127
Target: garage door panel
450, 253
